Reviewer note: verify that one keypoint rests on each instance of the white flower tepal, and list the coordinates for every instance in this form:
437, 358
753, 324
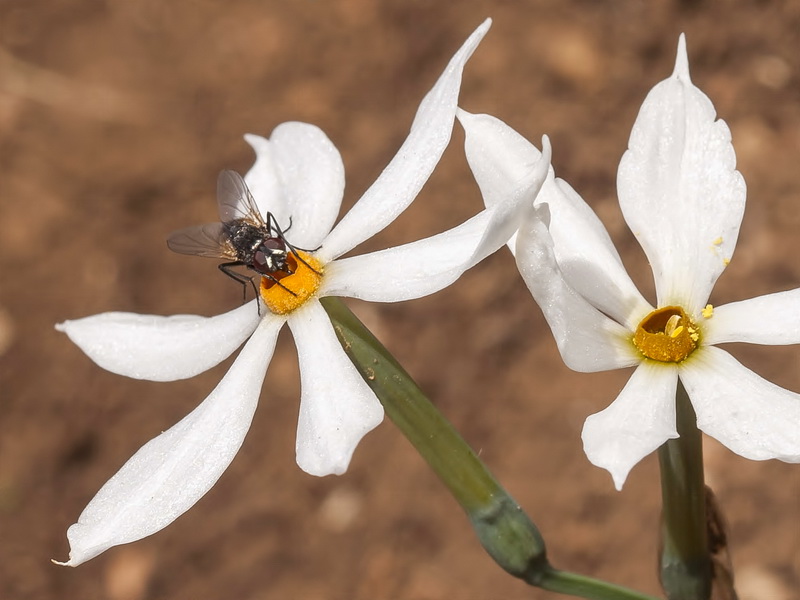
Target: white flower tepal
683, 198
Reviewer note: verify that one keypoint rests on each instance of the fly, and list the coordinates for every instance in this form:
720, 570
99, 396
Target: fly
242, 237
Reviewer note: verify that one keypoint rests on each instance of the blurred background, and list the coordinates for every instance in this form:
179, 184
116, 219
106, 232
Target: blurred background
116, 117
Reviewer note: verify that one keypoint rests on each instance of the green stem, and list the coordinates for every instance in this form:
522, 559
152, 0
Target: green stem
503, 528
686, 568
573, 584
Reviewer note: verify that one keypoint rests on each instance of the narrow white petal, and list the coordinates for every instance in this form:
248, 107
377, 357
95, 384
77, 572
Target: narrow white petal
311, 175
262, 179
170, 473
408, 171
508, 214
679, 189
409, 271
748, 414
773, 319
587, 339
337, 408
499, 158
590, 262
161, 348
635, 424
426, 266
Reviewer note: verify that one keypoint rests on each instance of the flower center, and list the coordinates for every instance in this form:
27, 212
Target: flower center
288, 290
666, 335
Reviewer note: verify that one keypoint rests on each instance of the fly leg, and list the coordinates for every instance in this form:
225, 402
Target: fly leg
227, 268
272, 225
277, 281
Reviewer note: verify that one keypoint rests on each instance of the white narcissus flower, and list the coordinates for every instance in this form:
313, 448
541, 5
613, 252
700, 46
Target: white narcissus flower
683, 199
298, 177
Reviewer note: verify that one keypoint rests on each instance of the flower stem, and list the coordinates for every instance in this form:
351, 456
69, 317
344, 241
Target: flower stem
581, 586
503, 528
686, 568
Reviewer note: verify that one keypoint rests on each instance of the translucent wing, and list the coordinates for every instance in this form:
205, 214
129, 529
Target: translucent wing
234, 199
209, 240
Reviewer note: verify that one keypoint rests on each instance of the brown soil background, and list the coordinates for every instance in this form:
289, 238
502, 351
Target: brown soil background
115, 118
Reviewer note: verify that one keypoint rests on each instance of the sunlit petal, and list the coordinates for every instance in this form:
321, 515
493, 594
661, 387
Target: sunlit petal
161, 348
635, 424
311, 174
589, 261
263, 181
748, 414
499, 158
679, 189
170, 473
337, 408
421, 268
587, 339
507, 216
408, 271
408, 171
773, 319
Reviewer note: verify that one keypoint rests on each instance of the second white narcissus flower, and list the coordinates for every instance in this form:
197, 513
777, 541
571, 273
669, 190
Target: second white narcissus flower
298, 178
683, 198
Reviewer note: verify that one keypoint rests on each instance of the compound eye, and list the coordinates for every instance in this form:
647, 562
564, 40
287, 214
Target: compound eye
262, 262
273, 244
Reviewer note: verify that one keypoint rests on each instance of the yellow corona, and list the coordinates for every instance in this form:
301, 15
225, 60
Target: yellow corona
295, 287
666, 335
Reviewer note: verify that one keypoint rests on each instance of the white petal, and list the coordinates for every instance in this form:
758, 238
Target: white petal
170, 473
408, 171
773, 319
748, 414
590, 262
337, 408
262, 179
508, 214
587, 339
635, 424
161, 348
409, 271
679, 189
426, 266
499, 157
311, 175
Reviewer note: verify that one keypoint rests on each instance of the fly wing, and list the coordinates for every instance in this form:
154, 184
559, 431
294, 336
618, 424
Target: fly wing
209, 240
235, 200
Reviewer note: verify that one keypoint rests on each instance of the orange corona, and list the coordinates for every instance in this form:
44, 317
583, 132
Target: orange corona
666, 335
295, 287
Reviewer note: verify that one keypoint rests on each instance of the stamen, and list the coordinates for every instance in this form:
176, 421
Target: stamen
666, 335
297, 284
677, 331
672, 324
708, 311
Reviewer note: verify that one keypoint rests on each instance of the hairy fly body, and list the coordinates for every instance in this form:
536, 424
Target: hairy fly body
242, 237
